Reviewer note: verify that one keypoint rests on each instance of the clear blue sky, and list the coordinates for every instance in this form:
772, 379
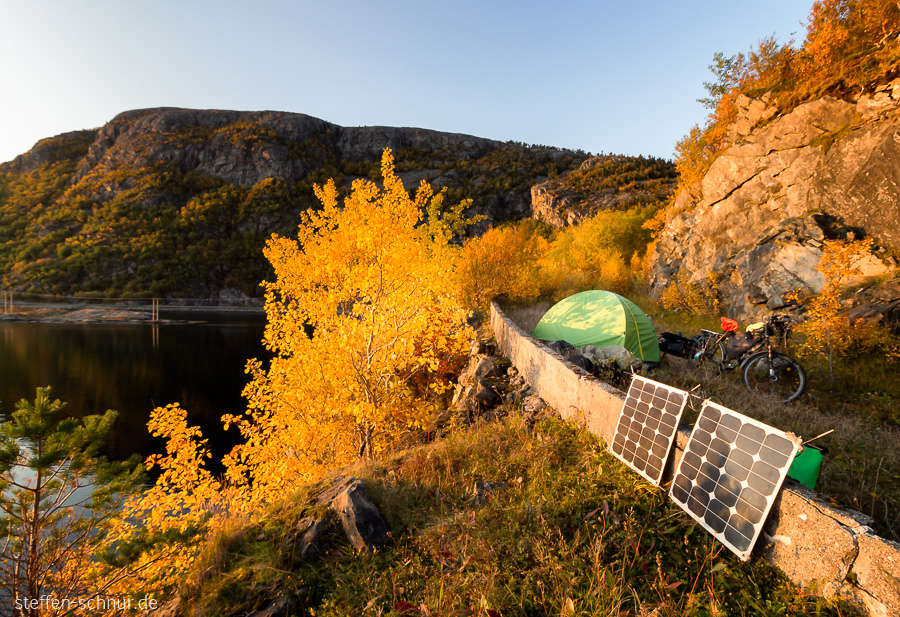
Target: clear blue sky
620, 77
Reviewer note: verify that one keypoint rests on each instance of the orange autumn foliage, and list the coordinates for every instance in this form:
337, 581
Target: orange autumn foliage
156, 538
828, 333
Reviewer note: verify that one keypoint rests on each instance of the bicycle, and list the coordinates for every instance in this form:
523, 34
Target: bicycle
764, 371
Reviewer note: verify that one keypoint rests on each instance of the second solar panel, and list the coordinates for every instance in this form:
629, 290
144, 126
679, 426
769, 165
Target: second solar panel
647, 425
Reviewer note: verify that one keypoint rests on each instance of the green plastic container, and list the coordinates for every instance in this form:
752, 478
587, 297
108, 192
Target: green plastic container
806, 466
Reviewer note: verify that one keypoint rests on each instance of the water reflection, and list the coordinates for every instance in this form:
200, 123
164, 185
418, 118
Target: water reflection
133, 368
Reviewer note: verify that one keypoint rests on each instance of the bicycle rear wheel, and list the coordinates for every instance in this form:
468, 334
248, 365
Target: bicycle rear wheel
707, 356
781, 377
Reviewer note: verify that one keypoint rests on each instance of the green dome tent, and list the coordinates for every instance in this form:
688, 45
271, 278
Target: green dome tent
600, 318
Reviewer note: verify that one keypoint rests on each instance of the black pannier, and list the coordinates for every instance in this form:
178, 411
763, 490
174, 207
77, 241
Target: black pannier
675, 344
738, 345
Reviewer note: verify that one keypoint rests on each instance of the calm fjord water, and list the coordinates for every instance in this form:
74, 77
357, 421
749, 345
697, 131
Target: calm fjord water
134, 367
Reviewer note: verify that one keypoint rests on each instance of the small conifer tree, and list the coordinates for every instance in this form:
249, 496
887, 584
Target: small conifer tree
56, 495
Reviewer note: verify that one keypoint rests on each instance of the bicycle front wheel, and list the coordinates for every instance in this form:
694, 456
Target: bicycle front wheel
781, 377
707, 356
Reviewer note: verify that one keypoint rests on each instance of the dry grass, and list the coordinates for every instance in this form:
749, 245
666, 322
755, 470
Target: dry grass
527, 316
565, 529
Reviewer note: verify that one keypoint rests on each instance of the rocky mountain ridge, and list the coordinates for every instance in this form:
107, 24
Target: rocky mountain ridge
263, 140
827, 169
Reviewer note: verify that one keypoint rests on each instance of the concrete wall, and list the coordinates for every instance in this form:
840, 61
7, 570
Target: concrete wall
820, 548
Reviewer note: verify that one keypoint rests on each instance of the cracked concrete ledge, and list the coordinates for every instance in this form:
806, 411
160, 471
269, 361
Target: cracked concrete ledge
823, 549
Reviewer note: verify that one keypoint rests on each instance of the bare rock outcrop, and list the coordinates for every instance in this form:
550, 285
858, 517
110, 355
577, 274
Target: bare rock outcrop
360, 518
361, 143
221, 148
827, 169
215, 145
49, 151
470, 384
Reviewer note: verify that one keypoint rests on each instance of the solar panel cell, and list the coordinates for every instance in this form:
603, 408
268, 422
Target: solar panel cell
750, 440
718, 452
681, 487
660, 446
780, 444
751, 499
763, 484
667, 424
773, 450
728, 490
710, 472
653, 418
640, 414
691, 463
709, 420
703, 439
730, 423
739, 464
698, 501
736, 537
717, 516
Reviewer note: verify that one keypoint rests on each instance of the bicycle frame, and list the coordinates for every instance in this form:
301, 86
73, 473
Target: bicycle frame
740, 361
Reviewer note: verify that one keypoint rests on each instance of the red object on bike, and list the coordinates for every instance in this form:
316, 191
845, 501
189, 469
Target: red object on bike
729, 325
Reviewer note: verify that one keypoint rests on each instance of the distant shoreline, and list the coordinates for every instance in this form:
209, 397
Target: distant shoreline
73, 312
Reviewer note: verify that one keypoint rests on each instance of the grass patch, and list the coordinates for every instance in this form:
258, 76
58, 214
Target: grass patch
864, 385
566, 530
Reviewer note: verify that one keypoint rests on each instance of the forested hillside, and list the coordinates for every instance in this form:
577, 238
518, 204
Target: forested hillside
181, 202
601, 184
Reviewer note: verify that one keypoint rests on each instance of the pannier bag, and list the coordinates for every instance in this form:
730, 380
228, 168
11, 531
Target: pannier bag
675, 344
738, 344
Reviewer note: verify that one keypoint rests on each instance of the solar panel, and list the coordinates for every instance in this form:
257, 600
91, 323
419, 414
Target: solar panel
647, 425
730, 474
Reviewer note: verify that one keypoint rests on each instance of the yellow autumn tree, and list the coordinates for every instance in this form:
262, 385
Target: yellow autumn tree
502, 261
366, 339
153, 543
692, 297
361, 322
827, 331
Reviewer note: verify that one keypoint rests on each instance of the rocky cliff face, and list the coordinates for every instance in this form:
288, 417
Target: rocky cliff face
246, 147
827, 169
199, 141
